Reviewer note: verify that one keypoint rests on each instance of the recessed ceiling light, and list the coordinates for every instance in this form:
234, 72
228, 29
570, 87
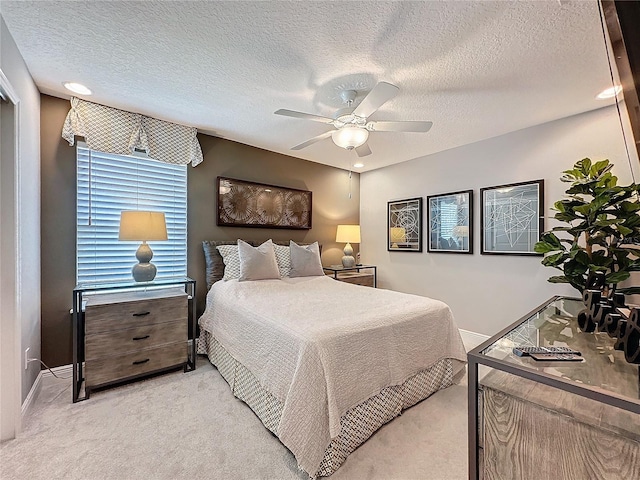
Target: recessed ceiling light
610, 92
77, 88
358, 165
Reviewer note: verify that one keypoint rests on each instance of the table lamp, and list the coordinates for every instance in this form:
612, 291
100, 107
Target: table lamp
143, 226
348, 234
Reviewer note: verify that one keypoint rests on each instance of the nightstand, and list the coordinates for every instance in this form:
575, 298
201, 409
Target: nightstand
354, 274
126, 331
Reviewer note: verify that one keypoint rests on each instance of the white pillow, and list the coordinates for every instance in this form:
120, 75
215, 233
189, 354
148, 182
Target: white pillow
283, 257
305, 261
257, 263
231, 261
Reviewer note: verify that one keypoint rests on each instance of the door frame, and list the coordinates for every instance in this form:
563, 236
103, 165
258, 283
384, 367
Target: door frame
10, 321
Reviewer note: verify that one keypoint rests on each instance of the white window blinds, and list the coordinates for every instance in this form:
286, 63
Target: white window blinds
108, 184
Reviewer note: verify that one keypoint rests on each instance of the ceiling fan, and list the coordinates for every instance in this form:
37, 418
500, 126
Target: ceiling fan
351, 128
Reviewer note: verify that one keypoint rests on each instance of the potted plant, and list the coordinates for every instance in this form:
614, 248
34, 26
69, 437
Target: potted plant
602, 225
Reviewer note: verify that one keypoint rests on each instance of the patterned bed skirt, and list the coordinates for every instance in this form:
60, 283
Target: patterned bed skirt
357, 424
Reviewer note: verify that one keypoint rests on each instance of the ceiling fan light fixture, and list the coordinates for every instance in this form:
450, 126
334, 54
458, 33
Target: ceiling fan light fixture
350, 137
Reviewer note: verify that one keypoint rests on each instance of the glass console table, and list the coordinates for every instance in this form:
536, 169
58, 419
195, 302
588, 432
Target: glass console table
601, 392
154, 289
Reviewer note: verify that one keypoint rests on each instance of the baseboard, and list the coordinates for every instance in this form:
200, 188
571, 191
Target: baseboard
472, 339
35, 388
63, 371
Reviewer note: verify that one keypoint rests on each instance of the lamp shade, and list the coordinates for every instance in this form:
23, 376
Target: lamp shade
348, 234
142, 226
350, 137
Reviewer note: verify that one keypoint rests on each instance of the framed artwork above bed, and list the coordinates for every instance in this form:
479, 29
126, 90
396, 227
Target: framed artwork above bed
250, 204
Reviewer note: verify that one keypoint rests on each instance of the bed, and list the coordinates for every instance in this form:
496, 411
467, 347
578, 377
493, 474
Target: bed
322, 363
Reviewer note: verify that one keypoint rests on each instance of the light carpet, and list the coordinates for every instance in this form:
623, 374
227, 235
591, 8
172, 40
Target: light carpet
189, 425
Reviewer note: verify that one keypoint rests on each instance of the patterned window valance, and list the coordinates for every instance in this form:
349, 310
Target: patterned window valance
111, 130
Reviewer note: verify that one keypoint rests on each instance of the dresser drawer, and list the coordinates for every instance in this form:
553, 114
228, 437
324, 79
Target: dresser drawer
132, 339
364, 279
120, 367
133, 311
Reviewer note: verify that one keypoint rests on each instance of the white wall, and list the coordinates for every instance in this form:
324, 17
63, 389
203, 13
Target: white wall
485, 292
27, 202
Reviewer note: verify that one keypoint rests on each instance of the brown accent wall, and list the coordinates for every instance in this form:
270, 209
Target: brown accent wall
331, 206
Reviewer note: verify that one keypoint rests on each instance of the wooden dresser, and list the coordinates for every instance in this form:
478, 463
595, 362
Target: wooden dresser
132, 334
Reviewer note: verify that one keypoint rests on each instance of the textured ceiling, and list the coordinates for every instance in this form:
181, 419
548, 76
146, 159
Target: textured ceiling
476, 69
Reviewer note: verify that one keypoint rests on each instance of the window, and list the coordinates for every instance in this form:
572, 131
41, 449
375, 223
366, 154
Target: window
108, 184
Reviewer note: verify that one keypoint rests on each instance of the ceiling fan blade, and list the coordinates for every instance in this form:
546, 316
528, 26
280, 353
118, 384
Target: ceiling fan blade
399, 126
380, 94
363, 150
313, 140
305, 116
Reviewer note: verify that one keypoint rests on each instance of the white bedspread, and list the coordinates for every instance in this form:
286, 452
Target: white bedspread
322, 347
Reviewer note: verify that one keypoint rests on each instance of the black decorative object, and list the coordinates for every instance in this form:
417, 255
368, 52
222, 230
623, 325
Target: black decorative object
612, 316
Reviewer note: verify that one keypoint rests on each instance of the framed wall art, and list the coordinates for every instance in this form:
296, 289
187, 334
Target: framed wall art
512, 218
450, 222
404, 225
250, 204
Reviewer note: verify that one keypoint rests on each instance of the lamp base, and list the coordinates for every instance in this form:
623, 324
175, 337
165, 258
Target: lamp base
145, 271
348, 261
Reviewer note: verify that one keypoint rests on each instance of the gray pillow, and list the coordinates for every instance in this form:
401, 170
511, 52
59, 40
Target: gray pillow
231, 261
305, 261
283, 257
257, 263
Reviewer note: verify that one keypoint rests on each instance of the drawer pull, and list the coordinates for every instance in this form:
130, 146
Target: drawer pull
141, 314
140, 362
141, 338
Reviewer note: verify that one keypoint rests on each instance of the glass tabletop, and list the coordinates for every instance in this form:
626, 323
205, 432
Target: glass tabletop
340, 268
159, 282
555, 325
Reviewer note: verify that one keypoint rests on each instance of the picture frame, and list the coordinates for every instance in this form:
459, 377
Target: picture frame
450, 222
404, 225
241, 203
511, 218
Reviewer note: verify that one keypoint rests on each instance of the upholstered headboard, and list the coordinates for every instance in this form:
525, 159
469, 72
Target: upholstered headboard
213, 259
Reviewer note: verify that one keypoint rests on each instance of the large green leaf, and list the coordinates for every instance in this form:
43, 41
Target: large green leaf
558, 279
551, 239
630, 206
573, 268
566, 216
629, 290
610, 221
555, 259
616, 277
584, 165
624, 230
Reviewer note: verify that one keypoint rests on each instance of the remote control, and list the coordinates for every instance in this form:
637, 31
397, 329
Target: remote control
525, 351
556, 357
